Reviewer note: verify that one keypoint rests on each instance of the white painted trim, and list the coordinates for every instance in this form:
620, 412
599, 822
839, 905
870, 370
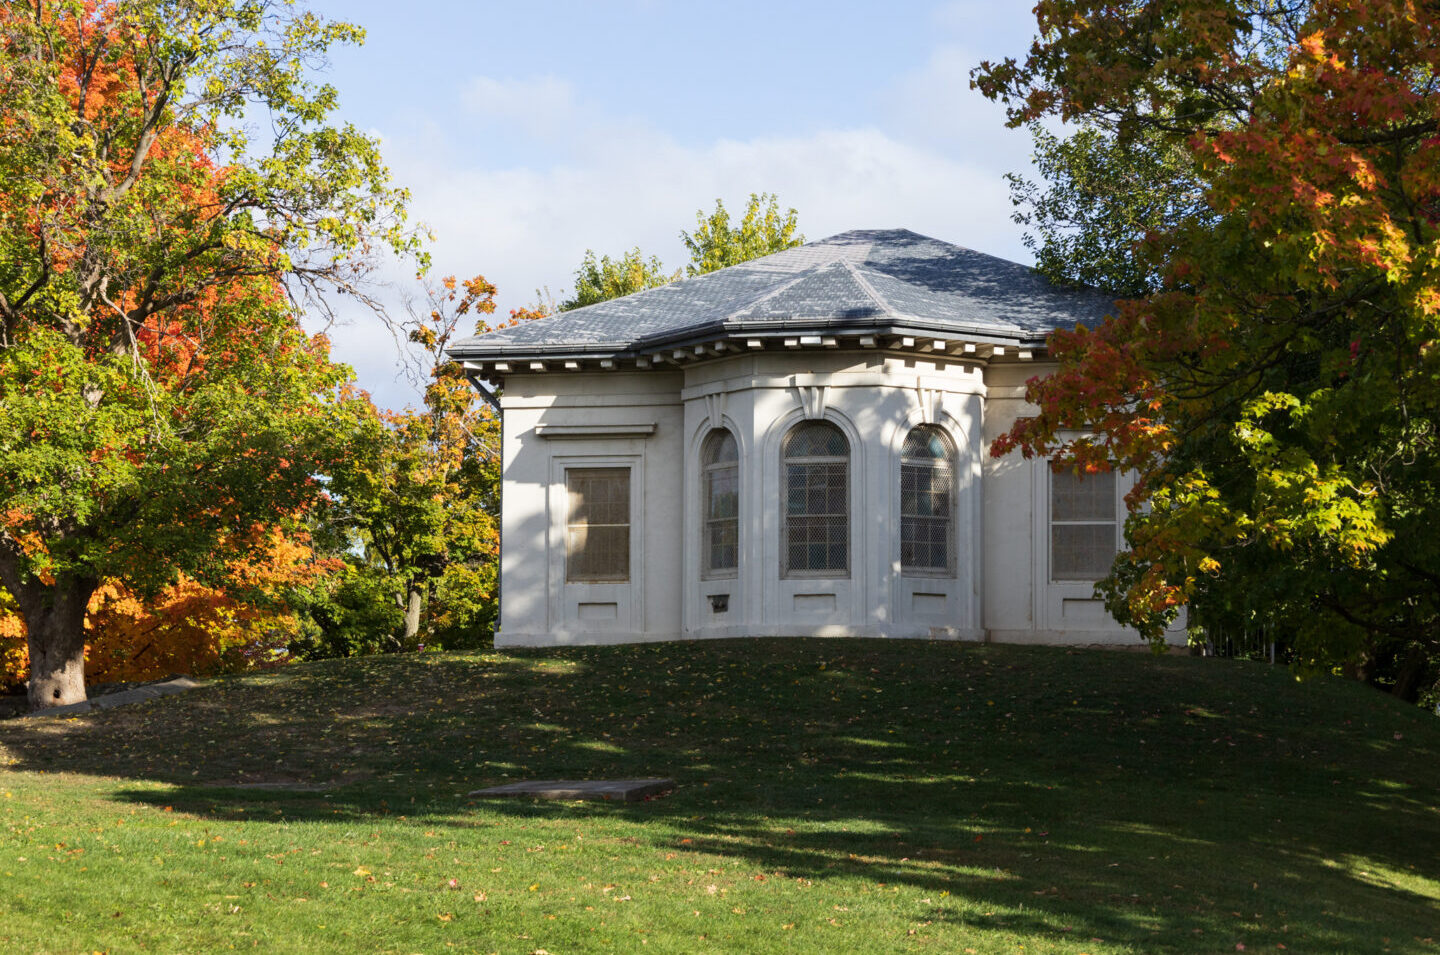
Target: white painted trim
970, 383
579, 431
628, 595
947, 634
1110, 639
588, 638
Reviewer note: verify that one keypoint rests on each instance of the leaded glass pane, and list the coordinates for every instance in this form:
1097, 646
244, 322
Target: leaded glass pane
924, 543
1090, 497
818, 543
817, 500
722, 492
816, 439
722, 545
925, 443
720, 448
927, 488
599, 495
1081, 551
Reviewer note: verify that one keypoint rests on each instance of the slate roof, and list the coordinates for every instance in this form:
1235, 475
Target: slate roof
881, 281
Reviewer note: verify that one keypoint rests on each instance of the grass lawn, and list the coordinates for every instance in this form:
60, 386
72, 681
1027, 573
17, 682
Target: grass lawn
833, 795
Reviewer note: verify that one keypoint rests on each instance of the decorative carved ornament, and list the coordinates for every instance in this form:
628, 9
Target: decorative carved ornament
812, 401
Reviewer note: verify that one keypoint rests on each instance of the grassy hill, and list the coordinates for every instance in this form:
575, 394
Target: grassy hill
832, 796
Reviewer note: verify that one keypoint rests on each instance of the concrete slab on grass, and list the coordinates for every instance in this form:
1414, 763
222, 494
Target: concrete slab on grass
617, 790
136, 695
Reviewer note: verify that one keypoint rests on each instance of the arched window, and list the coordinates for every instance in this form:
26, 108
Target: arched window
816, 485
927, 502
720, 474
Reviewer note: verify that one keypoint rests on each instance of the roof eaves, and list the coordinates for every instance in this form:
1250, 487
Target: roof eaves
897, 325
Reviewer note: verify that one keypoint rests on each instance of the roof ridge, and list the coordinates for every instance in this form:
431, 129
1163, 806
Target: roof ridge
865, 286
776, 290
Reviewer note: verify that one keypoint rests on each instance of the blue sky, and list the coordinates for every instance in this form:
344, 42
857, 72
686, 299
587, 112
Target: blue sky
529, 132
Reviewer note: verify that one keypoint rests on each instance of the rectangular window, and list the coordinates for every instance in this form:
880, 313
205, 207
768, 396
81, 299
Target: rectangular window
597, 526
1083, 518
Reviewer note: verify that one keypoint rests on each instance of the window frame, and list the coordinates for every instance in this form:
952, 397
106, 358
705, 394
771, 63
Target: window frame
786, 461
709, 470
574, 576
1116, 523
949, 464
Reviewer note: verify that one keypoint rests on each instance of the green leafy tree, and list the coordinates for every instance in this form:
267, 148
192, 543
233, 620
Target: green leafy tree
1279, 393
158, 398
1097, 199
599, 280
716, 244
417, 504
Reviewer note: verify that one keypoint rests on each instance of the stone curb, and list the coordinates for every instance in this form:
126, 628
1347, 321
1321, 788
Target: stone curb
620, 790
137, 695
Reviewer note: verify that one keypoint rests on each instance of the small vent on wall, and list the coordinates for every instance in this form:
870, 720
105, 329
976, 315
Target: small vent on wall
719, 603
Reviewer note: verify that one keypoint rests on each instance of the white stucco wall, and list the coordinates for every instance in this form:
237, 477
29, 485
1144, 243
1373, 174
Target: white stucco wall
874, 398
537, 605
655, 421
1022, 604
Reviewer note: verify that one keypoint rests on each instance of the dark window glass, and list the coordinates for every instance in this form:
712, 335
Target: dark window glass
720, 460
927, 494
597, 527
816, 476
1083, 533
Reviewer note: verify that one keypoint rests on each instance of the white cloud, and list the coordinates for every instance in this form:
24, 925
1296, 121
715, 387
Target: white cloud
525, 228
543, 106
934, 163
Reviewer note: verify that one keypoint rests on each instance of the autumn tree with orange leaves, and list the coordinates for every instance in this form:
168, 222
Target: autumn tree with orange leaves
1279, 392
252, 615
159, 401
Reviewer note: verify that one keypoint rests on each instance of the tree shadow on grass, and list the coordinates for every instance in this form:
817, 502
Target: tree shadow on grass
1150, 801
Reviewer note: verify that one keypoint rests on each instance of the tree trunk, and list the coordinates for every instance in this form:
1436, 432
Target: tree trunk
1361, 669
1407, 679
55, 624
412, 617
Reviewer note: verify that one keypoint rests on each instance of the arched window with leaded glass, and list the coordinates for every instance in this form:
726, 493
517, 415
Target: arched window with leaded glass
815, 478
720, 498
927, 503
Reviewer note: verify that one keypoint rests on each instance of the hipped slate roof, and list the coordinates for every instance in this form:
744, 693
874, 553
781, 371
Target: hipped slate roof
881, 281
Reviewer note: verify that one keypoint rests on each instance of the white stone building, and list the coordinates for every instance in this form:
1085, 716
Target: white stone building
797, 445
